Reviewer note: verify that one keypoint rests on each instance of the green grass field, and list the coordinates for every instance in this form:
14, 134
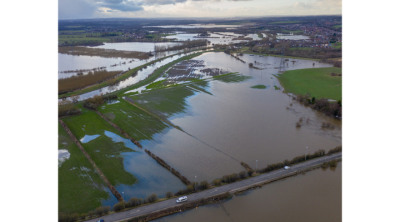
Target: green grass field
134, 121
259, 87
285, 22
106, 149
337, 26
337, 45
80, 38
80, 188
165, 102
316, 81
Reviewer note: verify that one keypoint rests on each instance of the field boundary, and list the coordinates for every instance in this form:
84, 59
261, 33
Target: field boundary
109, 185
119, 129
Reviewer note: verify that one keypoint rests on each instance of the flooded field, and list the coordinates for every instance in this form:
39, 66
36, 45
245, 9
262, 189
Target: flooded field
73, 62
135, 46
126, 166
172, 145
141, 74
240, 122
213, 38
292, 37
80, 188
316, 196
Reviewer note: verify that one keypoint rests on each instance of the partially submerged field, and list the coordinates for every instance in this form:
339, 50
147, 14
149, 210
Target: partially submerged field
80, 188
134, 121
104, 144
318, 82
201, 127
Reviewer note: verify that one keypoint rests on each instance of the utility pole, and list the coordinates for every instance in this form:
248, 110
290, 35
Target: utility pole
123, 198
282, 64
256, 165
305, 157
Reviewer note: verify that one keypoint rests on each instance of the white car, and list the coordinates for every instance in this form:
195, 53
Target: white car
287, 167
181, 199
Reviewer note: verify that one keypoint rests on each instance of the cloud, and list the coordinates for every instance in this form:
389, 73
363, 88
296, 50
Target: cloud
72, 9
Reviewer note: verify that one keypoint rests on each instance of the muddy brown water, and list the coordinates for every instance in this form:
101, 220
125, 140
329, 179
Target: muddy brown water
316, 196
237, 123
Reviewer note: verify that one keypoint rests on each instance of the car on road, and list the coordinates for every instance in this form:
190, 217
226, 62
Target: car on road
101, 220
287, 167
181, 199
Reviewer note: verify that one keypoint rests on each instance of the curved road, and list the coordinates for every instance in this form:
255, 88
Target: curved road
122, 216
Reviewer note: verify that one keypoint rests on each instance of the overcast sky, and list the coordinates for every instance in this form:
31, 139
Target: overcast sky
76, 9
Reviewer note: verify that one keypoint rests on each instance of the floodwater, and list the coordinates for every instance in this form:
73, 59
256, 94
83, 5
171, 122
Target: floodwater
152, 177
135, 46
63, 155
237, 121
292, 37
74, 62
142, 74
88, 138
316, 196
215, 38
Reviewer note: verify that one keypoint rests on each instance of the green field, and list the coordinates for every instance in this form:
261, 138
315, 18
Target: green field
317, 82
80, 38
165, 102
80, 188
106, 152
259, 87
285, 22
134, 121
337, 45
337, 26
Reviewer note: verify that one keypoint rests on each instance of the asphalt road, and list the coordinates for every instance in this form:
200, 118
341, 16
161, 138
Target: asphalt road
121, 216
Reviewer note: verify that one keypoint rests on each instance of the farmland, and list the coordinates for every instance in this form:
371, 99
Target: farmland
318, 82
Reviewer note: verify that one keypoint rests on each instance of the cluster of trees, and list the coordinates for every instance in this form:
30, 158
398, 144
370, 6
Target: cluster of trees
67, 108
245, 165
100, 211
134, 201
332, 163
322, 105
97, 100
184, 45
83, 70
179, 208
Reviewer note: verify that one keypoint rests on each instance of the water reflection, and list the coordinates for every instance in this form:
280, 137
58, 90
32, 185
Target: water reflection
236, 121
316, 196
